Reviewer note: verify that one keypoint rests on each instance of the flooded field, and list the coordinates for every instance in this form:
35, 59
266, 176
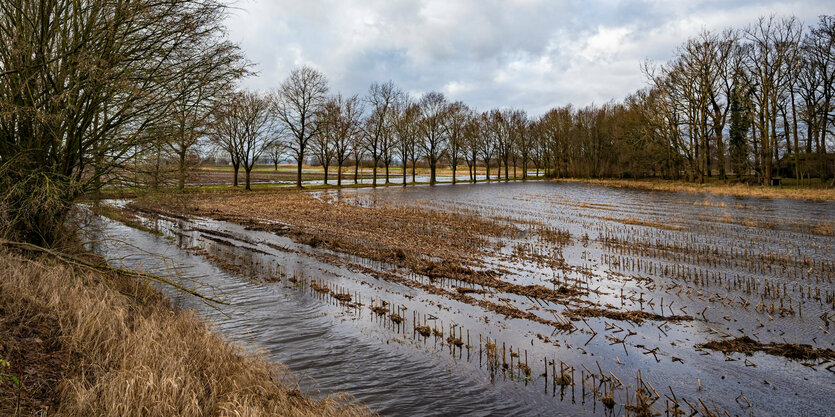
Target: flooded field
514, 298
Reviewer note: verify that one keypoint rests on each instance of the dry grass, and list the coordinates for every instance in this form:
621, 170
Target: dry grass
409, 237
739, 190
86, 343
432, 243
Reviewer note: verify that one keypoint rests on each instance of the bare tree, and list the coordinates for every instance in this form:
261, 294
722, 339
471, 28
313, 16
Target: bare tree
523, 140
820, 49
326, 140
406, 130
388, 144
345, 128
357, 151
203, 82
276, 152
80, 85
458, 114
471, 136
224, 133
486, 144
537, 144
415, 148
383, 100
499, 132
433, 129
296, 104
244, 126
766, 62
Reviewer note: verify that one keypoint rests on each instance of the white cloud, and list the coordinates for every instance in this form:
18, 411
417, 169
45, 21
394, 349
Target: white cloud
533, 54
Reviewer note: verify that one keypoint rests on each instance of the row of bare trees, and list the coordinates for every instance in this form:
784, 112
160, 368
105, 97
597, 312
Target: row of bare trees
746, 102
388, 127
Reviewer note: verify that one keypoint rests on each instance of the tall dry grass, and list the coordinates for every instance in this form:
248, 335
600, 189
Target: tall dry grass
130, 354
739, 190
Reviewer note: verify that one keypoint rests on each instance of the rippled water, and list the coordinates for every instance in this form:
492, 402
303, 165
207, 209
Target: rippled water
324, 345
333, 347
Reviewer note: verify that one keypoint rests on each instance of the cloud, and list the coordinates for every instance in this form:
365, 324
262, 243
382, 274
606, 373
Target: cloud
532, 54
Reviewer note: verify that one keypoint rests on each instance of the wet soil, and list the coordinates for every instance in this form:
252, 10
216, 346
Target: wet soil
749, 346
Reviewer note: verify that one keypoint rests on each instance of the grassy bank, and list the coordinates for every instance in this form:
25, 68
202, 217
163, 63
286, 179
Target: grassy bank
79, 342
717, 187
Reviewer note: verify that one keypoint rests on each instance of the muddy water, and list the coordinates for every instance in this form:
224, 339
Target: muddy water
334, 346
329, 348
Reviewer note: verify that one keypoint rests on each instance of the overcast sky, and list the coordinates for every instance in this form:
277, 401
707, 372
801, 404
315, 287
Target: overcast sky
530, 54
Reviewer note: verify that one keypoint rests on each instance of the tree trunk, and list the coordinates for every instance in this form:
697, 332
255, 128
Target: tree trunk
765, 145
181, 183
356, 170
387, 173
506, 170
299, 173
236, 167
325, 167
339, 175
453, 174
701, 158
708, 164
822, 146
822, 153
247, 170
796, 144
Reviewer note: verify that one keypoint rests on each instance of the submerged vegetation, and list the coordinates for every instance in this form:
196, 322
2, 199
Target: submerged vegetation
581, 272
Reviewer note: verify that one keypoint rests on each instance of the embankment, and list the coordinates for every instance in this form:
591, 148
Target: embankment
75, 341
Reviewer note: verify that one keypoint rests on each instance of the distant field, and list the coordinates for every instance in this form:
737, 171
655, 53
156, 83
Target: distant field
286, 173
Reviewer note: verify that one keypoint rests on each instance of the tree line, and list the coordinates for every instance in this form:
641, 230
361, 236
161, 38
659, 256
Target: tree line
750, 104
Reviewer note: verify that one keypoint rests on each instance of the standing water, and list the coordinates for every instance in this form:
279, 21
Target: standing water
687, 269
